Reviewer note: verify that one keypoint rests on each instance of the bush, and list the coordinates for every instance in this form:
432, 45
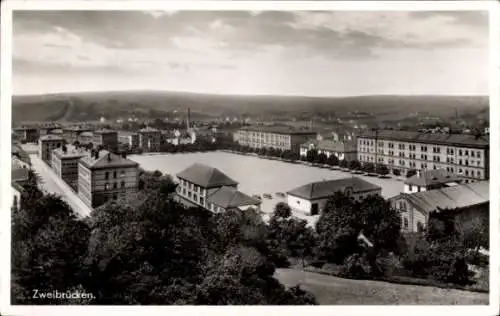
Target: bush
396, 172
382, 170
410, 173
356, 267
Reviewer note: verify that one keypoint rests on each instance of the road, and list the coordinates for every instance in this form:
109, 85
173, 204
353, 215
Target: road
50, 183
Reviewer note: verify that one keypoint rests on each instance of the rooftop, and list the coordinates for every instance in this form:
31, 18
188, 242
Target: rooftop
78, 128
433, 177
106, 159
465, 140
206, 176
51, 137
279, 130
104, 131
87, 134
71, 152
323, 189
459, 196
149, 130
230, 197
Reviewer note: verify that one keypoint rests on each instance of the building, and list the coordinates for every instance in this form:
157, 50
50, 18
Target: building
211, 189
469, 201
103, 175
48, 128
20, 158
311, 198
86, 138
343, 150
149, 139
465, 155
65, 164
278, 137
129, 138
106, 138
426, 180
46, 144
27, 134
19, 177
71, 133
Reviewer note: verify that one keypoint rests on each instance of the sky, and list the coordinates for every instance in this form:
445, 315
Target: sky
312, 53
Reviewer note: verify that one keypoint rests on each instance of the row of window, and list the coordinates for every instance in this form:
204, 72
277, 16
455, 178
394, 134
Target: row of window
423, 148
115, 174
108, 186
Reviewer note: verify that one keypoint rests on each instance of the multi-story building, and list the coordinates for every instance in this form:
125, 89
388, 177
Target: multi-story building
27, 134
71, 133
65, 164
312, 198
463, 154
86, 138
19, 177
131, 139
103, 175
426, 180
46, 144
211, 189
278, 137
343, 150
149, 139
106, 138
467, 201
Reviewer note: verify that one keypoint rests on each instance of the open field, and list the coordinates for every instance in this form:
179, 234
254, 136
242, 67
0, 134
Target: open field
330, 290
256, 175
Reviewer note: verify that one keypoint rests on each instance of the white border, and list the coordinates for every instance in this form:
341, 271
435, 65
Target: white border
5, 144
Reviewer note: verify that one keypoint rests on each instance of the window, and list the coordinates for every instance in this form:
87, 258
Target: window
115, 185
410, 187
114, 174
478, 154
106, 186
183, 191
466, 153
106, 175
406, 223
460, 152
420, 227
472, 153
202, 201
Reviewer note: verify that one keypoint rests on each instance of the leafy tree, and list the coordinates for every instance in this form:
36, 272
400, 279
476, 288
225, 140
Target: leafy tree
48, 244
282, 210
311, 155
333, 160
368, 167
321, 158
396, 172
382, 170
410, 173
354, 165
343, 163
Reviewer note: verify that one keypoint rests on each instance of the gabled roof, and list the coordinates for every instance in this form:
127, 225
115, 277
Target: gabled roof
205, 176
433, 177
19, 174
323, 189
229, 197
456, 197
106, 160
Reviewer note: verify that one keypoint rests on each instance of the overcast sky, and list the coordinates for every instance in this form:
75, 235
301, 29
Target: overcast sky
290, 53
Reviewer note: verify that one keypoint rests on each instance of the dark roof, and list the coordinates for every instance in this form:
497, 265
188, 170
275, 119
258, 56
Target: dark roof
229, 197
106, 160
456, 197
465, 140
286, 130
323, 189
205, 176
104, 131
433, 177
19, 174
51, 137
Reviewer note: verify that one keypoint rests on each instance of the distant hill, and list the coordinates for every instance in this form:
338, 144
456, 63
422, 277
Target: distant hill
112, 105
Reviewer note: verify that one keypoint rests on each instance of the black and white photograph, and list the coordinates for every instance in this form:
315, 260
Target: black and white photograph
257, 153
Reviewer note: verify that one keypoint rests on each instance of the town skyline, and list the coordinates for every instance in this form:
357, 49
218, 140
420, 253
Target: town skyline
253, 53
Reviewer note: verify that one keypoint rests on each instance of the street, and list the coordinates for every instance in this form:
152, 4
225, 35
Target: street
50, 183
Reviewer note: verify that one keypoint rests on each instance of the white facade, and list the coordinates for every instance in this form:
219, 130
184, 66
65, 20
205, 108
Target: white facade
411, 188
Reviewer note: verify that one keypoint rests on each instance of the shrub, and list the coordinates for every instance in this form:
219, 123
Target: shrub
410, 173
356, 267
396, 172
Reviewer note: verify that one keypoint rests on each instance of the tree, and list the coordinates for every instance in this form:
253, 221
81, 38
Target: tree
382, 170
48, 245
321, 158
354, 165
282, 210
368, 167
76, 143
343, 163
396, 172
410, 173
311, 155
333, 160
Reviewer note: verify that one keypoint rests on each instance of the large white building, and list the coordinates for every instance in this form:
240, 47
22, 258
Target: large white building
426, 180
343, 150
211, 189
463, 154
311, 198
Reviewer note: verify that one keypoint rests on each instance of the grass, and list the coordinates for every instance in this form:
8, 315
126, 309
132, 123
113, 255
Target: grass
330, 290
